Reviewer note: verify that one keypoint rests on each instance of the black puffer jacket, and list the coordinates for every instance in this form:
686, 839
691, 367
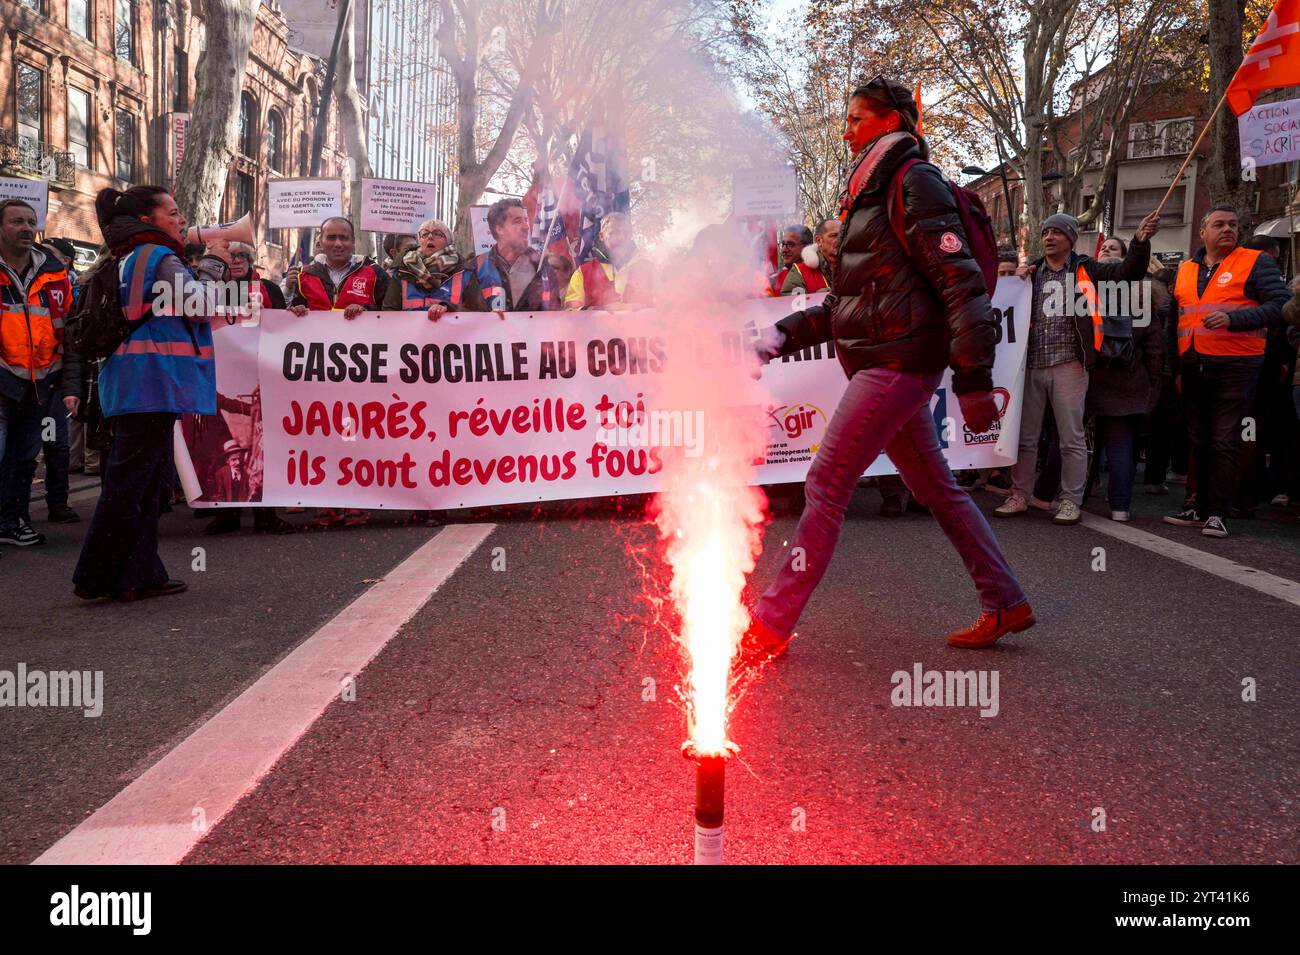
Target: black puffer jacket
917, 309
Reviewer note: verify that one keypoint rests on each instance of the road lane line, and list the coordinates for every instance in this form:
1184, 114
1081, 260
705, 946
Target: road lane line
1266, 583
153, 821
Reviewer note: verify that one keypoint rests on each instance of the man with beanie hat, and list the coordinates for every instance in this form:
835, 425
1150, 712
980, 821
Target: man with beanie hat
1065, 336
904, 307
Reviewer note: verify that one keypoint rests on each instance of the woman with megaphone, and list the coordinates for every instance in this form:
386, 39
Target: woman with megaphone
163, 368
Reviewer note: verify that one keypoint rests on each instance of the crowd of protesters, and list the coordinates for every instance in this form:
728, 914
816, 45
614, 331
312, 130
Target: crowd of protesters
1198, 377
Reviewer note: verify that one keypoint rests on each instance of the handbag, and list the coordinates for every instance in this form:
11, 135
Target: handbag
1117, 350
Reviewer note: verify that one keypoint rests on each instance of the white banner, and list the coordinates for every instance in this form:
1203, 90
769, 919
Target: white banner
1270, 132
34, 192
302, 203
392, 410
395, 205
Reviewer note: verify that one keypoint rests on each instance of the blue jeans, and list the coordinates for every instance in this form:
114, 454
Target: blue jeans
20, 442
883, 410
1118, 435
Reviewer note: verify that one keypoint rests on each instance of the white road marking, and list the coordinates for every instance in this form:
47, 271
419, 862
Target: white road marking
1266, 583
154, 820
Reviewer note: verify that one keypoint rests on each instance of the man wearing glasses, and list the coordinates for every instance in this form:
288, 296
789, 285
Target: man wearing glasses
793, 240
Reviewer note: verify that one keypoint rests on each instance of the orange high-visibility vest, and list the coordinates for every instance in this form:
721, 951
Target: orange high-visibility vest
1225, 292
1089, 292
31, 331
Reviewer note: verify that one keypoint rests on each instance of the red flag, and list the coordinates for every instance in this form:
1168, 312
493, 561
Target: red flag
919, 109
1273, 60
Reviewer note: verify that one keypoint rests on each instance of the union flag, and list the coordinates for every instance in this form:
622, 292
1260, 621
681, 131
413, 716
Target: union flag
1273, 60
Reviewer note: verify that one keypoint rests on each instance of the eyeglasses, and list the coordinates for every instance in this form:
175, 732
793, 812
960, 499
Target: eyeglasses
430, 233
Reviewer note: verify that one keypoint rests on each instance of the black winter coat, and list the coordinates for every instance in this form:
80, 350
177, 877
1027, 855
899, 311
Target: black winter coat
1135, 390
916, 309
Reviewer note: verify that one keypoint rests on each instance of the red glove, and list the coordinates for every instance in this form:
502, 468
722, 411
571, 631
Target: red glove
979, 409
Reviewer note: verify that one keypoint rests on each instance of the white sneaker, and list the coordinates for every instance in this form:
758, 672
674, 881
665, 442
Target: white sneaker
1282, 500
1068, 514
1014, 506
1214, 527
1122, 516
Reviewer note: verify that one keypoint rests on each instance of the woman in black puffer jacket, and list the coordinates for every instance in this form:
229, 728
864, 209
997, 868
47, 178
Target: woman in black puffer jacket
900, 314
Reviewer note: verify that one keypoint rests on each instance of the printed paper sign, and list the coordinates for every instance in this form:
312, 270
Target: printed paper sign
394, 205
302, 203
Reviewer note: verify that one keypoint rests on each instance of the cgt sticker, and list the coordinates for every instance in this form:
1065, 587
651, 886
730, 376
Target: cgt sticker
949, 243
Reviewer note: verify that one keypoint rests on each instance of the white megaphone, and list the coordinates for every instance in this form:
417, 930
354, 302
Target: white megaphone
241, 230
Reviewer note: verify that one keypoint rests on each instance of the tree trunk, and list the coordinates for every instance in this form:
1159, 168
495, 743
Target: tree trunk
214, 122
352, 122
473, 174
1224, 166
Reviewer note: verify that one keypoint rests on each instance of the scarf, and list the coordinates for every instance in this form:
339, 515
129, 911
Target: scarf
427, 272
860, 177
122, 234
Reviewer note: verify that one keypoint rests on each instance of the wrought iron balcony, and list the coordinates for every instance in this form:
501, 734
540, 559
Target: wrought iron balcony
36, 158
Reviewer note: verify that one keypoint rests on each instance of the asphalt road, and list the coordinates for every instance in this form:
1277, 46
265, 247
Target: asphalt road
507, 721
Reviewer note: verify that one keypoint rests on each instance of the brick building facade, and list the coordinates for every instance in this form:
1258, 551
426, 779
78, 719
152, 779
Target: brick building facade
1158, 135
93, 93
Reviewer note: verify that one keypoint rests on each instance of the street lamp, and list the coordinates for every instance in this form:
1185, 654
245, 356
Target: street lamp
1006, 188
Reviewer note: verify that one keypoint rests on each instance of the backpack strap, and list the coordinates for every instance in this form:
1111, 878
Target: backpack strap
895, 201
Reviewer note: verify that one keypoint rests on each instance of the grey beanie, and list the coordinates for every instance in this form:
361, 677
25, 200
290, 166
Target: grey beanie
1067, 224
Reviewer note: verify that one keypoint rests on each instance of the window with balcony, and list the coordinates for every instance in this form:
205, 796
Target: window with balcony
124, 145
274, 140
79, 18
79, 126
124, 29
247, 125
1165, 137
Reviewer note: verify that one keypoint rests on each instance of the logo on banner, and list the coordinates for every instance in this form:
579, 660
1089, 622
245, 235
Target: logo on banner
802, 423
1002, 399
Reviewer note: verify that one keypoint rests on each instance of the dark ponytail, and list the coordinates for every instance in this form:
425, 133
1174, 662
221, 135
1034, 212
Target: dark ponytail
134, 202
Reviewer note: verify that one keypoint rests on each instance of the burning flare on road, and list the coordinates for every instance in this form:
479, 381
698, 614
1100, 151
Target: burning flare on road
707, 511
